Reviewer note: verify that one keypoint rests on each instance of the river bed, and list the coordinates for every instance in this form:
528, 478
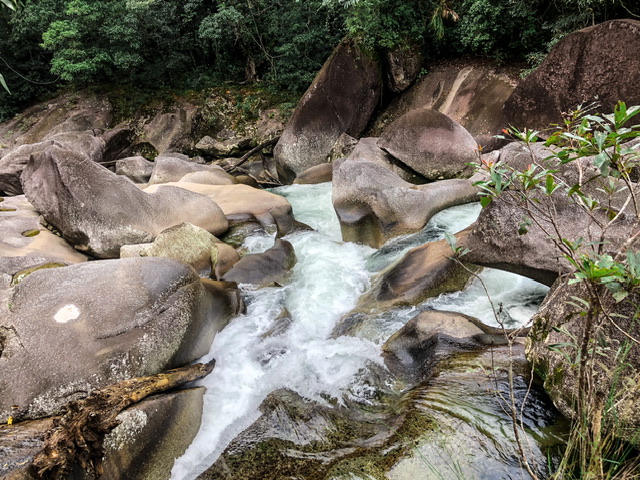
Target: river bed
284, 339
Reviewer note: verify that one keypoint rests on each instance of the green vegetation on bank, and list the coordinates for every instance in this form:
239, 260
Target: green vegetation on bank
46, 45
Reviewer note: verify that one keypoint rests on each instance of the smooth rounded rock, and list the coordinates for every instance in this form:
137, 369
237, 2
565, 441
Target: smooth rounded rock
430, 143
73, 329
98, 211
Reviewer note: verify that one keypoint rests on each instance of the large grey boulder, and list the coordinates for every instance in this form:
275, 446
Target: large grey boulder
152, 435
368, 149
72, 329
170, 129
12, 164
574, 73
373, 204
265, 268
340, 100
137, 168
171, 169
240, 202
431, 143
504, 236
98, 211
77, 112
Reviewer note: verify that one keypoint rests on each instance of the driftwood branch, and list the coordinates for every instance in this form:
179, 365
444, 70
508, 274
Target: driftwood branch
77, 437
252, 152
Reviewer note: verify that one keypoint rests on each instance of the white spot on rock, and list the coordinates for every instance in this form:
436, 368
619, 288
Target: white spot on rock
66, 314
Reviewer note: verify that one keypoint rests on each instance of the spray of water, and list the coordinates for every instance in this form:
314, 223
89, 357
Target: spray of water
283, 339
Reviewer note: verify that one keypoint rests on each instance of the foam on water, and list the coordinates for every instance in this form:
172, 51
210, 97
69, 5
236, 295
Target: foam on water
515, 299
260, 351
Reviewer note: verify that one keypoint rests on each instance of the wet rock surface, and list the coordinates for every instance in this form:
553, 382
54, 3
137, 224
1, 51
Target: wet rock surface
268, 268
379, 436
423, 272
373, 204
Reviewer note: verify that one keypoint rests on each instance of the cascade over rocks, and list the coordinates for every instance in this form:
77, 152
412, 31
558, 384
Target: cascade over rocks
596, 64
76, 328
431, 144
423, 272
373, 204
264, 269
340, 100
98, 211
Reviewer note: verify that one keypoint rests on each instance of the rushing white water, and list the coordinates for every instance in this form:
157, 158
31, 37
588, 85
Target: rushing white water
262, 351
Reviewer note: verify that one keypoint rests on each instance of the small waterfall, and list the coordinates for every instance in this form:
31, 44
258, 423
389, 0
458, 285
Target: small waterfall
283, 339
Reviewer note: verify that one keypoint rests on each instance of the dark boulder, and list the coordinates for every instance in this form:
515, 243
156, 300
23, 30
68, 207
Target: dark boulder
597, 64
340, 100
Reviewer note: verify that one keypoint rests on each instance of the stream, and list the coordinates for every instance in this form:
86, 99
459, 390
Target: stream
267, 349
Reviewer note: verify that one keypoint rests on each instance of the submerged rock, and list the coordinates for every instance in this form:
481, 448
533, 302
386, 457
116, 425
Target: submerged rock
98, 211
415, 350
72, 329
456, 417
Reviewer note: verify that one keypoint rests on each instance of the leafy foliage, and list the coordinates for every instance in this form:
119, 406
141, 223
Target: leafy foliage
48, 44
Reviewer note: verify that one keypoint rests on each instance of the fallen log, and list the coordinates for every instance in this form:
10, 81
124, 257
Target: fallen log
252, 152
77, 436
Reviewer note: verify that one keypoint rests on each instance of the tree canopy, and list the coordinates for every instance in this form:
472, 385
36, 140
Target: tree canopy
48, 44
